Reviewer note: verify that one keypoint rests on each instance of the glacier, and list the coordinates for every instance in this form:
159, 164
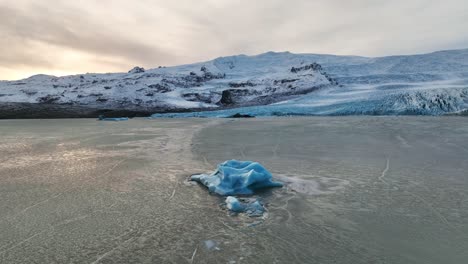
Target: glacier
269, 84
358, 101
426, 84
234, 177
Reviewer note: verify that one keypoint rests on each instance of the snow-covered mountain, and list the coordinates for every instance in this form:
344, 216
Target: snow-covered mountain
266, 84
219, 83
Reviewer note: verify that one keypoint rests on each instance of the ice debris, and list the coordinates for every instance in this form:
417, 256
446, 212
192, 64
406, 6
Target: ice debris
234, 177
102, 118
211, 245
252, 207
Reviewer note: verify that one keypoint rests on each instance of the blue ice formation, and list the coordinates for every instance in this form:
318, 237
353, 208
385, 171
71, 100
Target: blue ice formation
102, 118
251, 208
237, 178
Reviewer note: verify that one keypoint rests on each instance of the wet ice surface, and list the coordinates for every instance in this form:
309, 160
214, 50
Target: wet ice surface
359, 190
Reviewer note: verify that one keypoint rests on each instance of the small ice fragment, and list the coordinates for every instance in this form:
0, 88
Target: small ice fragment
237, 178
252, 208
255, 209
102, 118
211, 245
234, 205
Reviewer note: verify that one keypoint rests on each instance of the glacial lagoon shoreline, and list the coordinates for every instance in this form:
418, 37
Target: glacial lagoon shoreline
64, 111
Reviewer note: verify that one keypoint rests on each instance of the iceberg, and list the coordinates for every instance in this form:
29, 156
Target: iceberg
234, 177
252, 208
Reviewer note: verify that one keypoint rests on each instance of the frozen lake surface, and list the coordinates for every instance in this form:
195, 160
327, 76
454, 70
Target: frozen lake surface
359, 190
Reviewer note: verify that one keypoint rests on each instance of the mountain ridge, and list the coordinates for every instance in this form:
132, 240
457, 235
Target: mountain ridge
465, 50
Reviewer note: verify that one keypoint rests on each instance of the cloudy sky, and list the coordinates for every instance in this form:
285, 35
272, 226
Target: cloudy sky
65, 37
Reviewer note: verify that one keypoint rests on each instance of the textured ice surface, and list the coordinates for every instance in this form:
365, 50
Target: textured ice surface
252, 207
412, 209
237, 178
436, 98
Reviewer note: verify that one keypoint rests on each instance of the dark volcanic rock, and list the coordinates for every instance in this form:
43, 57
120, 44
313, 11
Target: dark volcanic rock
137, 70
241, 84
239, 115
235, 96
48, 99
276, 82
29, 92
226, 98
197, 97
313, 66
37, 110
160, 88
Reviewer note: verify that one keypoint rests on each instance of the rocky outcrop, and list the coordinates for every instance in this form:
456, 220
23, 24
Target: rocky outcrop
232, 97
137, 70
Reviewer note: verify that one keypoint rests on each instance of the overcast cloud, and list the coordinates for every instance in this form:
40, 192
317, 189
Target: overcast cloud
64, 37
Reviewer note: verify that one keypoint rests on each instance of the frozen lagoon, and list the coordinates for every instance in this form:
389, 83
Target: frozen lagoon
360, 190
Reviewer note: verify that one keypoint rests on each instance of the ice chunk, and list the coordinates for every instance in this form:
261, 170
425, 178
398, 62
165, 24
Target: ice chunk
237, 178
102, 118
211, 245
234, 205
248, 206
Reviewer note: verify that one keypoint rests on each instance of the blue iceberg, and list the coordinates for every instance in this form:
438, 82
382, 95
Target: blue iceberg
237, 178
252, 208
102, 118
